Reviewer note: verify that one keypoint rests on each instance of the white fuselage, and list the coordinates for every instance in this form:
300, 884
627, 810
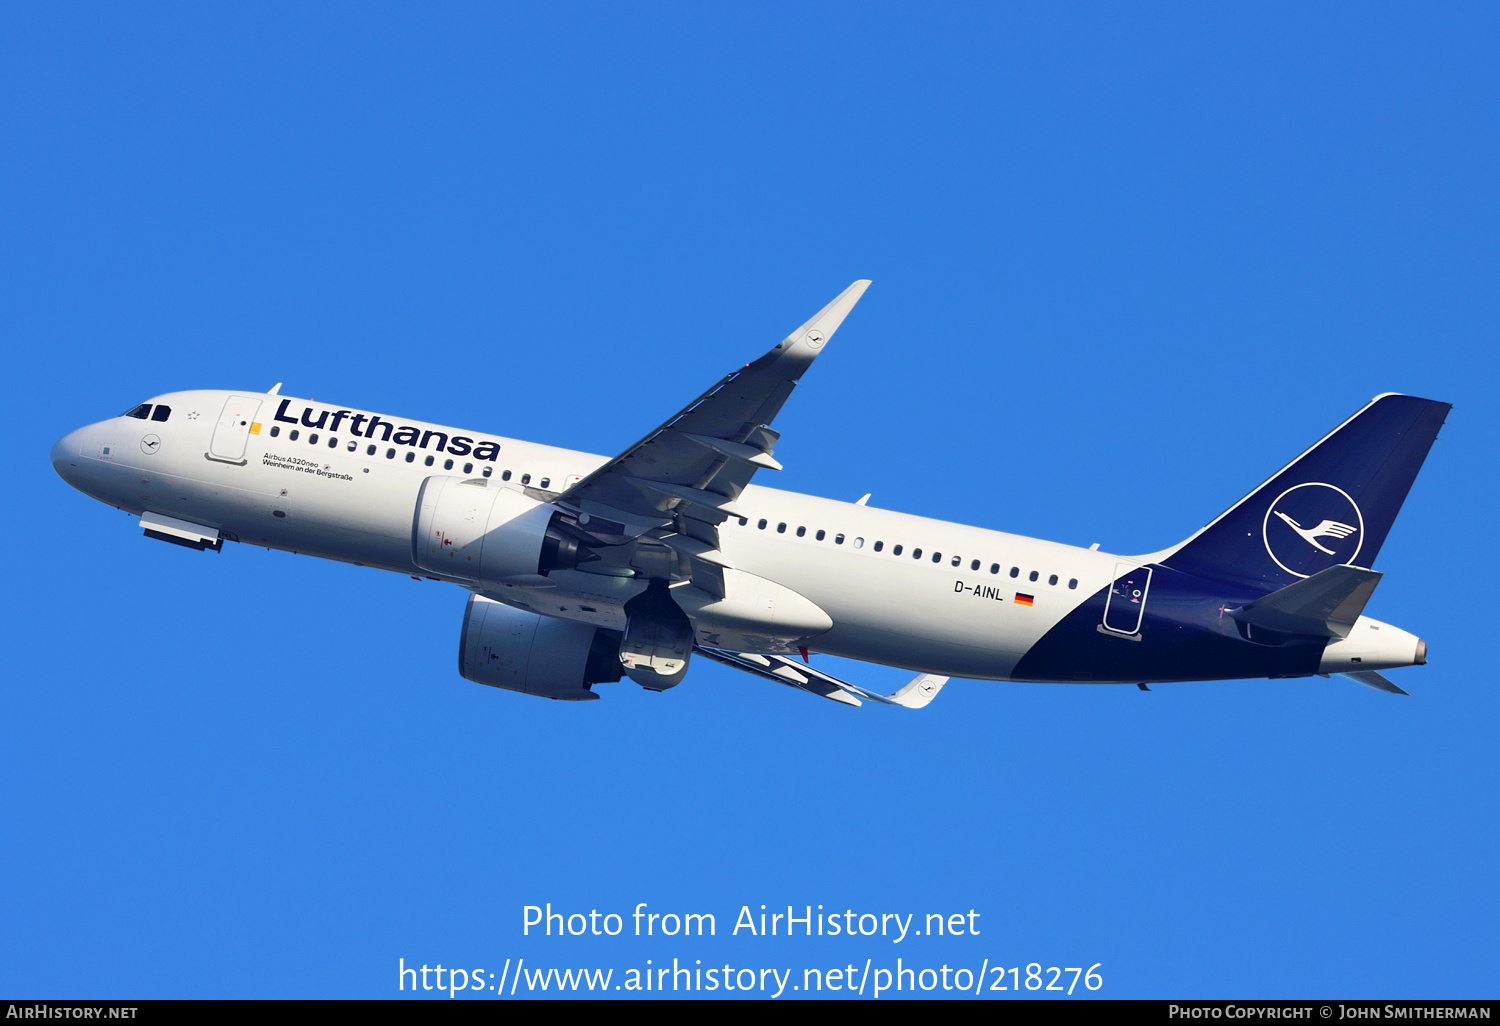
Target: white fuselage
324, 491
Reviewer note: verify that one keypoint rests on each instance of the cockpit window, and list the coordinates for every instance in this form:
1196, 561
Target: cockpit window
161, 413
141, 412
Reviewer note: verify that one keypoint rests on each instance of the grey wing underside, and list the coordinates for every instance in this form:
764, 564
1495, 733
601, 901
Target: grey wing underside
680, 482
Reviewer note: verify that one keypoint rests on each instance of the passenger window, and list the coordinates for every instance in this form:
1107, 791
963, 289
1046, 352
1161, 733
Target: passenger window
275, 431
141, 412
1033, 576
859, 543
974, 565
1015, 571
468, 468
761, 525
916, 553
161, 413
546, 481
370, 451
959, 559
292, 434
411, 457
1052, 579
353, 446
505, 476
879, 545
447, 464
743, 521
937, 557
895, 550
1073, 583
390, 454
333, 443
821, 535
427, 462
487, 470
312, 439
994, 568
801, 532
838, 539
781, 528
525, 478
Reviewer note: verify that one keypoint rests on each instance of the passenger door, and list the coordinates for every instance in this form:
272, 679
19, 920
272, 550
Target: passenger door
234, 429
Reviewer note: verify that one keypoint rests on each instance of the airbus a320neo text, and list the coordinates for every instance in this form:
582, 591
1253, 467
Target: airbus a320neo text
582, 569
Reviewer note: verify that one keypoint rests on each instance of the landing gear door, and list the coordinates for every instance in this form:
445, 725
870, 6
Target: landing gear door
1126, 604
235, 426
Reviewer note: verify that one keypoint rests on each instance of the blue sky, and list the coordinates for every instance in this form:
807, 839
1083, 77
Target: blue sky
1128, 260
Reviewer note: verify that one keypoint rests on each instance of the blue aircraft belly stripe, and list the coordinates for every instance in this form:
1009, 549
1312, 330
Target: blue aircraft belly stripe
1185, 635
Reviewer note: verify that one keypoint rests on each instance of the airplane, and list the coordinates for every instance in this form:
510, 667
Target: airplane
583, 570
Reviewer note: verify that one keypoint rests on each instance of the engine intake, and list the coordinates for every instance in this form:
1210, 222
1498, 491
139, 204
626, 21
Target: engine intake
505, 647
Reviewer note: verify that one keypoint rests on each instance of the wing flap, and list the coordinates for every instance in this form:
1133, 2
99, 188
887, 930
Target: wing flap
736, 451
915, 694
783, 671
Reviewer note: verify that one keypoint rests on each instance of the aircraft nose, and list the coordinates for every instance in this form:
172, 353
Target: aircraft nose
65, 458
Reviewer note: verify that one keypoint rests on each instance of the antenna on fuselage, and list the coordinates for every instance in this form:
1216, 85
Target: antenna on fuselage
274, 389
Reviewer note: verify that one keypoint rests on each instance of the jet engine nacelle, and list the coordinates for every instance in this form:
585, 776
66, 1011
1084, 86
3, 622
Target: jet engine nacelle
510, 648
476, 530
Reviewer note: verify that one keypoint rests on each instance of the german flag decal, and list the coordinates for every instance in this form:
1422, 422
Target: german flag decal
1023, 600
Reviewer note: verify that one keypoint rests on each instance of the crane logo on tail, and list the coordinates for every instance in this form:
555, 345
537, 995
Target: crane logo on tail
1327, 529
1311, 527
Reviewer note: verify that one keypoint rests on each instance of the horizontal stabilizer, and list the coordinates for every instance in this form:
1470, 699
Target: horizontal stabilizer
1371, 679
1323, 605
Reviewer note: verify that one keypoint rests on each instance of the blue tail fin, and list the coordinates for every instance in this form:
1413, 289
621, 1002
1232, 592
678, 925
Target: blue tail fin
1332, 505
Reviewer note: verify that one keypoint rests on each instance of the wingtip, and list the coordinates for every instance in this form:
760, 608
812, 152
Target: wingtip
831, 316
919, 691
795, 352
854, 292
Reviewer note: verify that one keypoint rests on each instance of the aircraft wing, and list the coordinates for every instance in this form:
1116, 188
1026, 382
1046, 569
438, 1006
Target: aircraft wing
680, 481
915, 694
